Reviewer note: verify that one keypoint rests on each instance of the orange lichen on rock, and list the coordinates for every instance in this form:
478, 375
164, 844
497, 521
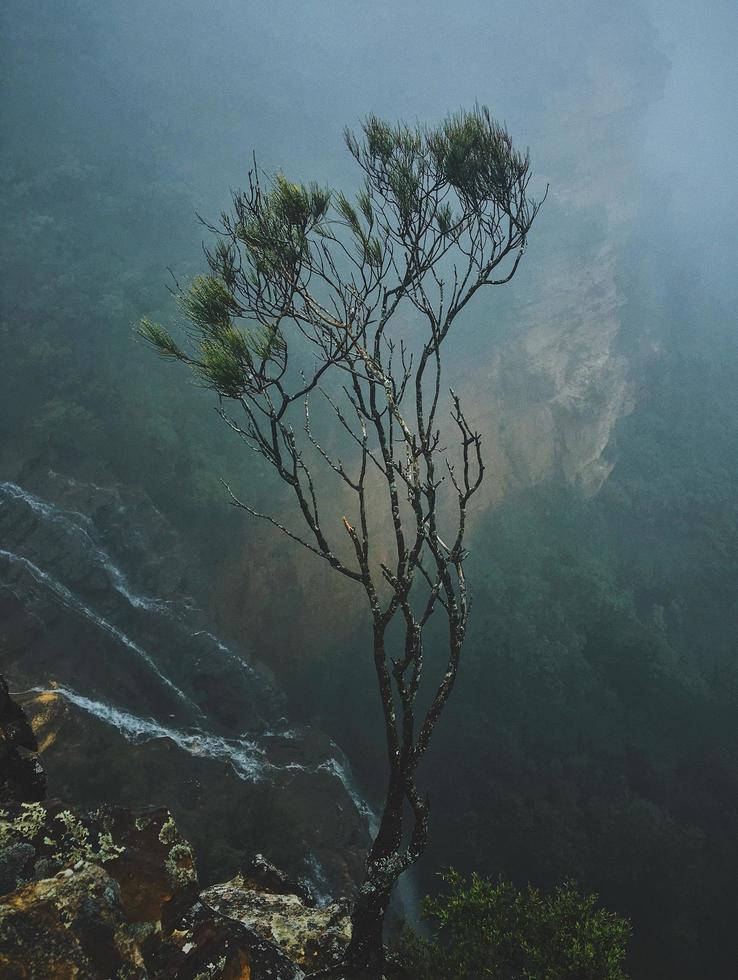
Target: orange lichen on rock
71, 925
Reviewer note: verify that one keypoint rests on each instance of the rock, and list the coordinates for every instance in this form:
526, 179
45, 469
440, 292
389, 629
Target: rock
114, 893
226, 817
205, 943
262, 876
17, 861
144, 852
136, 702
71, 925
313, 938
90, 591
155, 868
21, 774
549, 395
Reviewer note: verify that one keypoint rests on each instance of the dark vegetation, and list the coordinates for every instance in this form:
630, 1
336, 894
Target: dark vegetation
484, 927
594, 731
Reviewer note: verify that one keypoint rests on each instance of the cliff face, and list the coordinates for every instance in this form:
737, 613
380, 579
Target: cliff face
548, 397
549, 385
296, 808
135, 701
115, 892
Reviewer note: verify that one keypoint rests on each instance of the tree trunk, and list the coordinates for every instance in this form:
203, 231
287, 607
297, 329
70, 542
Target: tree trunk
364, 958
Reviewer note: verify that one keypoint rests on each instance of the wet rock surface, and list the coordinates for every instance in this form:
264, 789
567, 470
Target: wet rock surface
313, 938
93, 585
135, 701
115, 893
21, 775
300, 813
71, 925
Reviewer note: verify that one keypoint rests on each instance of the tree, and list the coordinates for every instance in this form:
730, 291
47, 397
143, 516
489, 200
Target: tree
312, 296
485, 928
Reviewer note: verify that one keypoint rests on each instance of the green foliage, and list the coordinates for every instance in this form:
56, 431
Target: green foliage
468, 153
26, 824
266, 342
444, 219
223, 365
296, 205
485, 928
209, 304
276, 231
75, 844
348, 212
476, 156
381, 140
226, 354
66, 845
285, 249
159, 338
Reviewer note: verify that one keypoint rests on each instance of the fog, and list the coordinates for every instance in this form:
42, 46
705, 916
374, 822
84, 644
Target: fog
601, 671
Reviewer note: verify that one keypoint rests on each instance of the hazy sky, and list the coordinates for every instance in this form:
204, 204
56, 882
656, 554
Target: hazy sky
628, 108
691, 137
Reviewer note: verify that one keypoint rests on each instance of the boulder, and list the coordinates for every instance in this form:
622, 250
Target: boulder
205, 943
314, 938
114, 893
260, 875
70, 925
144, 852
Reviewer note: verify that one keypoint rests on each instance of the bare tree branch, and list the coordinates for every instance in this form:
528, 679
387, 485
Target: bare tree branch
299, 275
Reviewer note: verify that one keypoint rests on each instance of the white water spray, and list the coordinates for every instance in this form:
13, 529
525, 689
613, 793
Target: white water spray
246, 756
72, 602
81, 526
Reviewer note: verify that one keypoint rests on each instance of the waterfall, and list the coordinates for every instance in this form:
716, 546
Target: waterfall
81, 526
246, 756
73, 602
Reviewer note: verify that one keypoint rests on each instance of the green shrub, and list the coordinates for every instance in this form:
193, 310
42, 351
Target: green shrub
488, 929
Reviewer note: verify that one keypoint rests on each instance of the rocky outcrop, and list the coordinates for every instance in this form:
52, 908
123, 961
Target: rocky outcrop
207, 945
115, 893
130, 909
135, 701
213, 786
71, 925
21, 775
311, 937
152, 864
